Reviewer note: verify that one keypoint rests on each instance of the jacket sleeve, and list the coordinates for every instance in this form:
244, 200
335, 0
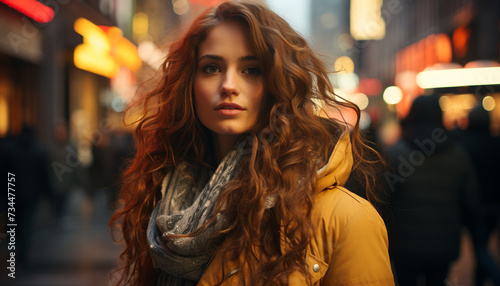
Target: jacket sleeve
360, 254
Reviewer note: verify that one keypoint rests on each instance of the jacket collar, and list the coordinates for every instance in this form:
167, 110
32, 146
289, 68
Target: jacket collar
336, 171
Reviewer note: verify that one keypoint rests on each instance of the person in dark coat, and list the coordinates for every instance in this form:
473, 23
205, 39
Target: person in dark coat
485, 155
434, 193
66, 172
28, 161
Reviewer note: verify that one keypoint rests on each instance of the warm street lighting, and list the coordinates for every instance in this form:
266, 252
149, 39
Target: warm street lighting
489, 103
459, 77
392, 95
104, 49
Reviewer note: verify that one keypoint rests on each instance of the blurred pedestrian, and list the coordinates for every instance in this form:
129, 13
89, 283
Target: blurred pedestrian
101, 174
434, 193
28, 160
484, 150
236, 179
124, 148
66, 172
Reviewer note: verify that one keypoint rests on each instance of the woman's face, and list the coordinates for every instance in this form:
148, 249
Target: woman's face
229, 85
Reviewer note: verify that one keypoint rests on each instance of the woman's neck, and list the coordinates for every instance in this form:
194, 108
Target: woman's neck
223, 144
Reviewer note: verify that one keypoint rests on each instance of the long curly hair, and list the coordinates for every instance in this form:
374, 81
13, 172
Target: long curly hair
288, 146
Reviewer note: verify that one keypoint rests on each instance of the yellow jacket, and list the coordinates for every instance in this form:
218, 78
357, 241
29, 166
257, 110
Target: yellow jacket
349, 246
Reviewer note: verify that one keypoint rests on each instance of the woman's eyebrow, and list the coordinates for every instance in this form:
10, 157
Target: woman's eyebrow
213, 57
220, 58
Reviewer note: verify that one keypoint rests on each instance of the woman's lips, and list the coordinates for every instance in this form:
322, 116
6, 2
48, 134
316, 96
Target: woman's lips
228, 105
229, 108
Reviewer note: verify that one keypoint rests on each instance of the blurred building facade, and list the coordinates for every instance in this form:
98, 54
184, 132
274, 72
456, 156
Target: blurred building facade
40, 83
38, 77
438, 35
470, 30
391, 41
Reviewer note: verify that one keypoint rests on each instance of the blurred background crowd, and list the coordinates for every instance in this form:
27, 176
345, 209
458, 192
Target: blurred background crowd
424, 73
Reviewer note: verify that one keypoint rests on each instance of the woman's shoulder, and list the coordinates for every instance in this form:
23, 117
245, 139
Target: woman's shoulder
351, 239
340, 207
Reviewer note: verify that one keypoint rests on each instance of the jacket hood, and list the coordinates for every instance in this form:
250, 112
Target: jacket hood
336, 171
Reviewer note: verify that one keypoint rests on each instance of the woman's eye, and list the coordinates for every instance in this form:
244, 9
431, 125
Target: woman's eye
252, 71
211, 69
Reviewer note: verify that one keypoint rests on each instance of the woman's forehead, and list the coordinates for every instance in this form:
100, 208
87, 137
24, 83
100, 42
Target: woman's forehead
225, 38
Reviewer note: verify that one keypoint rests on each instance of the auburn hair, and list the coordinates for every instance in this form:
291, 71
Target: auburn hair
288, 146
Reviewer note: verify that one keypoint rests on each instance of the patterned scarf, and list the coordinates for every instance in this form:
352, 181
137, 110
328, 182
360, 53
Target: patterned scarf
189, 195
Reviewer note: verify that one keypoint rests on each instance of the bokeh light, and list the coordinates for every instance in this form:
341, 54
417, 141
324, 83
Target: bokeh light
344, 64
364, 120
392, 95
361, 100
345, 42
180, 7
489, 103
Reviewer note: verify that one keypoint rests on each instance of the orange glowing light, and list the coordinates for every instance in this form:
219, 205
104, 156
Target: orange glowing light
461, 41
32, 8
424, 53
443, 48
430, 50
455, 108
206, 2
370, 86
4, 111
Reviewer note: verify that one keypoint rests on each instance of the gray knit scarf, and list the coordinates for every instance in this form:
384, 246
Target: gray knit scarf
189, 194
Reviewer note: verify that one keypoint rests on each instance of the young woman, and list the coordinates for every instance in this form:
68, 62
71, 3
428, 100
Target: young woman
237, 180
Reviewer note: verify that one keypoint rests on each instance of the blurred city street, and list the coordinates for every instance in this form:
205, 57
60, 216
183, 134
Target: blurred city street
77, 251
424, 76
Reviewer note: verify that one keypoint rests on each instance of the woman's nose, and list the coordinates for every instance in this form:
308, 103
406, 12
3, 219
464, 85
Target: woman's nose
229, 84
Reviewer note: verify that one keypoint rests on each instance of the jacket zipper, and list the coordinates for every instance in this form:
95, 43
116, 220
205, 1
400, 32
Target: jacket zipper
208, 264
231, 273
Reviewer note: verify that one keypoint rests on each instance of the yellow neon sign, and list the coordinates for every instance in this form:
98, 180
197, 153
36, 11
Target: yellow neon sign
103, 51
